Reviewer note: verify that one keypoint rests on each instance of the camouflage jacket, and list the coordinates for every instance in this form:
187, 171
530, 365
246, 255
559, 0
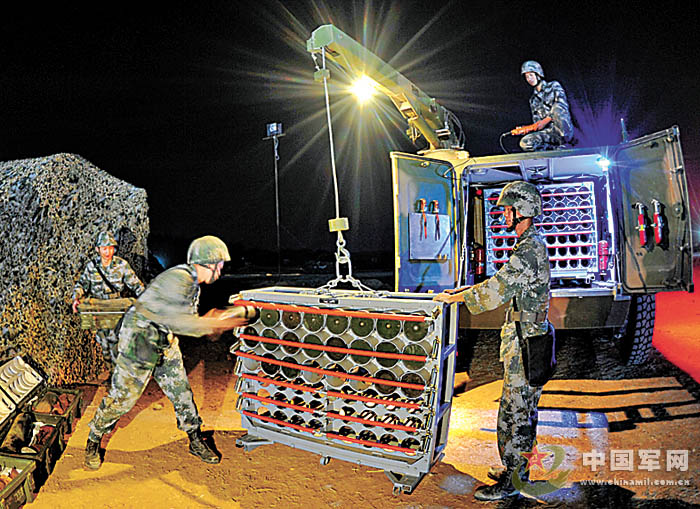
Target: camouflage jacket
168, 306
118, 273
550, 101
524, 276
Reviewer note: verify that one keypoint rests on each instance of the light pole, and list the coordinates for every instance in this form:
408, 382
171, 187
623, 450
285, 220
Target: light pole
274, 132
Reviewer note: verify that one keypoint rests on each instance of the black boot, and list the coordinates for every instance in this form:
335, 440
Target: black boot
92, 455
200, 449
502, 489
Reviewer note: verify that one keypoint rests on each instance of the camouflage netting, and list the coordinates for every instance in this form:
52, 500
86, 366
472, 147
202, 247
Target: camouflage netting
51, 210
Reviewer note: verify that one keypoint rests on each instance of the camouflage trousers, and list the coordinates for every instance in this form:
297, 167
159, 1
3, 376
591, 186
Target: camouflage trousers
129, 380
545, 139
107, 340
517, 412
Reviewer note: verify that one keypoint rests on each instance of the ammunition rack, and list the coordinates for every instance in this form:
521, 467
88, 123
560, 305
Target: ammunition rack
568, 224
362, 379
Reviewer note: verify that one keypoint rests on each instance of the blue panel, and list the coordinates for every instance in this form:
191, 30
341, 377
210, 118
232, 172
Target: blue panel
424, 262
428, 236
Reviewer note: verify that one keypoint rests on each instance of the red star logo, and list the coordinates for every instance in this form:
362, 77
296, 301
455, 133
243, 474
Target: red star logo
534, 458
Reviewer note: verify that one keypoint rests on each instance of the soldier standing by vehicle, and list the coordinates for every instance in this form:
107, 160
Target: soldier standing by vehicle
525, 278
105, 278
148, 346
550, 112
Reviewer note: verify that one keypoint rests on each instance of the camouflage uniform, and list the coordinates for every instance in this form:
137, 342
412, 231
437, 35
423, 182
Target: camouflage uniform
548, 100
148, 347
526, 277
91, 284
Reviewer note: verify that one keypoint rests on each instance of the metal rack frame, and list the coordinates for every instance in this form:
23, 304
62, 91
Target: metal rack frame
362, 378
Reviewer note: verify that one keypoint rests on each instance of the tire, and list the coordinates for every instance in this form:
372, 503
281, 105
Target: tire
638, 330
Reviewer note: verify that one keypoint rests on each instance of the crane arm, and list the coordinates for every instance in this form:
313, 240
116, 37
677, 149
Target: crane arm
424, 115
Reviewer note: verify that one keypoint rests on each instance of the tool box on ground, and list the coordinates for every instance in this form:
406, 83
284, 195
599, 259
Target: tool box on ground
16, 482
33, 419
60, 406
366, 378
98, 314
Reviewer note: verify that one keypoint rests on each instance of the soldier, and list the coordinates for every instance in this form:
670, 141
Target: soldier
550, 112
105, 279
525, 278
148, 346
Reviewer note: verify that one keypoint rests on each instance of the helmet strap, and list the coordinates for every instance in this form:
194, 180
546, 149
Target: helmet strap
213, 268
516, 220
212, 271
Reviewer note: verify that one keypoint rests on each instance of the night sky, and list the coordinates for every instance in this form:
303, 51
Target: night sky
175, 99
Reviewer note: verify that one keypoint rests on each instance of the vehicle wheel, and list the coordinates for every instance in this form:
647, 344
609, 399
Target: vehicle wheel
636, 333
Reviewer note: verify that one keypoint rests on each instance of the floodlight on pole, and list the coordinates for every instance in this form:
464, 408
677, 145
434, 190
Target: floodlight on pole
274, 132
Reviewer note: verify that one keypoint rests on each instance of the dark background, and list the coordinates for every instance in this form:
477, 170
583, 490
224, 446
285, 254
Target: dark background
175, 99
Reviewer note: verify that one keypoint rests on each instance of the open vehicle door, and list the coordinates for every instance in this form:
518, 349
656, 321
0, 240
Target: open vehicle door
652, 214
425, 223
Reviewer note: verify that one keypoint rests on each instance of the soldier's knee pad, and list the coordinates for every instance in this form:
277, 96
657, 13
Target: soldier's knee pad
527, 143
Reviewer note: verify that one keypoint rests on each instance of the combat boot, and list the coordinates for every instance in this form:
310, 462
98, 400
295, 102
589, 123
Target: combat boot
200, 449
502, 489
92, 455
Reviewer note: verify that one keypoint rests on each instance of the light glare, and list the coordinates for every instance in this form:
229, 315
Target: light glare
363, 89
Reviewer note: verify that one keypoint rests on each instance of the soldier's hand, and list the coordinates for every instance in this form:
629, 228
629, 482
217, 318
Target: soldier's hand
446, 298
229, 323
452, 291
75, 305
214, 313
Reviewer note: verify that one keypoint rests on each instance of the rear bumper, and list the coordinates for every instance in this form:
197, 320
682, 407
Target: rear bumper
565, 312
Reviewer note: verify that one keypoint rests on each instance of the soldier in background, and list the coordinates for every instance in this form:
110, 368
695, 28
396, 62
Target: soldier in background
524, 277
148, 346
105, 278
550, 112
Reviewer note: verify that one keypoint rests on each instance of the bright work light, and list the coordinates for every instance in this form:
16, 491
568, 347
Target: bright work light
363, 88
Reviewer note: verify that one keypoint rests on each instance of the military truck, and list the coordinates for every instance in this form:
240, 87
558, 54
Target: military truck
616, 219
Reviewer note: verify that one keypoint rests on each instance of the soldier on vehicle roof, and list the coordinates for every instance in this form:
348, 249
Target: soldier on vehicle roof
105, 278
551, 117
525, 277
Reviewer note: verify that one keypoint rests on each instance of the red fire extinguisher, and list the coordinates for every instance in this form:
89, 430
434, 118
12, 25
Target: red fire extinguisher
641, 223
658, 223
479, 261
603, 254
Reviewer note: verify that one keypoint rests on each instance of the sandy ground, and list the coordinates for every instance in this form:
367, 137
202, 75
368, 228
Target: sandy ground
592, 404
147, 463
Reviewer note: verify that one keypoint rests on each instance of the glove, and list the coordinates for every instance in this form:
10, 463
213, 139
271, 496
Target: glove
524, 129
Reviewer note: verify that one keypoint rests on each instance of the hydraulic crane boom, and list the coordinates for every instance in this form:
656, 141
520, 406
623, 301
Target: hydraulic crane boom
425, 116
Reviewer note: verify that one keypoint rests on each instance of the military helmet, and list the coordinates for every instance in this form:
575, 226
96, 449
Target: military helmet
523, 197
532, 66
105, 239
207, 249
